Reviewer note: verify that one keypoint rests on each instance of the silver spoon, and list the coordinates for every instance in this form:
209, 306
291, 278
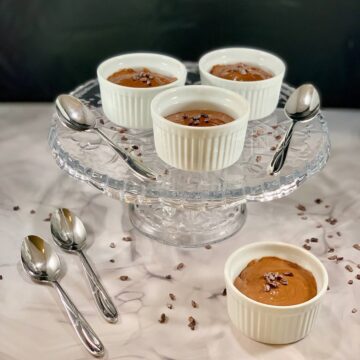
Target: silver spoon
42, 263
69, 233
303, 106
76, 116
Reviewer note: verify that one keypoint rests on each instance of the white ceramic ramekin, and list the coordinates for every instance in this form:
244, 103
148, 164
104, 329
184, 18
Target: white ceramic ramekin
130, 107
199, 148
262, 95
267, 323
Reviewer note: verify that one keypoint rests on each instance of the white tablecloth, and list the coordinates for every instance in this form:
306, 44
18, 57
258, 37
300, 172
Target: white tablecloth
33, 324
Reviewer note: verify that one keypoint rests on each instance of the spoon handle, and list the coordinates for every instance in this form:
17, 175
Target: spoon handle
139, 169
102, 299
81, 326
280, 156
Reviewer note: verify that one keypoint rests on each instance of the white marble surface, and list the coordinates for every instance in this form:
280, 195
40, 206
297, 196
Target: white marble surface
34, 326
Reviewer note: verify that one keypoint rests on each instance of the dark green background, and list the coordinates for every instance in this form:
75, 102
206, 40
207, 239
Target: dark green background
48, 47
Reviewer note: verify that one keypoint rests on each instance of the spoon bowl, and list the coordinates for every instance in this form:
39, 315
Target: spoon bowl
39, 260
68, 231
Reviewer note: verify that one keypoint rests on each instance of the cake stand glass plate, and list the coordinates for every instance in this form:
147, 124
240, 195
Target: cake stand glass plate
188, 208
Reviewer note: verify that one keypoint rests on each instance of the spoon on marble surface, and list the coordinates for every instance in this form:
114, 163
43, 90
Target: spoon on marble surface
69, 233
42, 263
76, 116
303, 105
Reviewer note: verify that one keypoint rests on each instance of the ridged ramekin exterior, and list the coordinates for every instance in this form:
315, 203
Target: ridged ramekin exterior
263, 95
130, 107
274, 324
201, 148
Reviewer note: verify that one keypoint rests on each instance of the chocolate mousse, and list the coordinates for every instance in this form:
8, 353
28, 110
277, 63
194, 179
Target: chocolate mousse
201, 118
274, 281
240, 72
140, 78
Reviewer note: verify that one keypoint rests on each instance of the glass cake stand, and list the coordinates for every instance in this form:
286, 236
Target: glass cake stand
184, 208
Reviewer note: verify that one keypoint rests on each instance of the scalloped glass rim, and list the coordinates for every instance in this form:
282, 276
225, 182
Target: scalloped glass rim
133, 191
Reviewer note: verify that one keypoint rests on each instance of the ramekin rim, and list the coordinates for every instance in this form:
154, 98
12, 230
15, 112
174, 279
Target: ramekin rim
248, 83
152, 89
229, 282
244, 117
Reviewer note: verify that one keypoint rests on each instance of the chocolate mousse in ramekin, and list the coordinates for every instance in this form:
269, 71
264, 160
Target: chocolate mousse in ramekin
199, 128
274, 291
255, 74
129, 82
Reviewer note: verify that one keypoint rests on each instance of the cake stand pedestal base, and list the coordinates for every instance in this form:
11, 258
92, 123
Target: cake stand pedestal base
187, 227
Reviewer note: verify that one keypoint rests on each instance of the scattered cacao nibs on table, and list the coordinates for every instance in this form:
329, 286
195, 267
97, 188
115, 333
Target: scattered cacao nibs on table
350, 282
194, 304
172, 297
112, 260
357, 277
338, 233
318, 201
102, 122
330, 236
112, 245
328, 288
330, 250
269, 132
127, 238
314, 240
124, 138
258, 158
301, 207
168, 277
349, 268
354, 310
327, 206
122, 131
224, 292
192, 323
1, 277
163, 318
275, 126
278, 137
169, 306
124, 278
273, 148
135, 147
307, 241
16, 208
207, 246
304, 218
180, 266
339, 258
332, 257
32, 211
48, 218
318, 226
300, 214
356, 246
358, 266
331, 220
307, 247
